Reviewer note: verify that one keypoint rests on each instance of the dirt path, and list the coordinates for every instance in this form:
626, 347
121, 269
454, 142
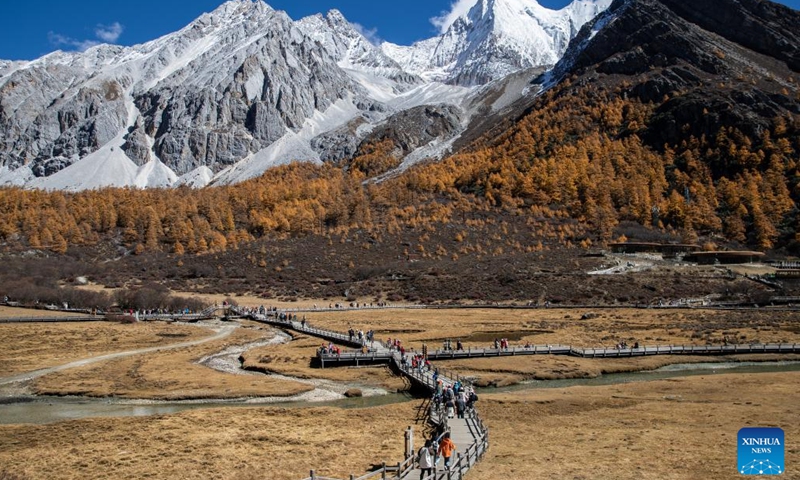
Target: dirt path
22, 377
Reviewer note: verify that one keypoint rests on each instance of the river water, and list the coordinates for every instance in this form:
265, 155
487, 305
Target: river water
669, 371
43, 410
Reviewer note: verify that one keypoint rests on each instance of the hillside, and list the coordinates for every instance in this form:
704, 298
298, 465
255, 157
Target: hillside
654, 115
245, 88
658, 123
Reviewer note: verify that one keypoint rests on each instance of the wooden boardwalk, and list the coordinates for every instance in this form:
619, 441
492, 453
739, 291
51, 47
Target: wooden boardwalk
469, 434
102, 316
376, 356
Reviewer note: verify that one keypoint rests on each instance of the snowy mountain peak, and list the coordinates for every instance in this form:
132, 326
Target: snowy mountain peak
495, 38
235, 7
352, 50
336, 17
244, 87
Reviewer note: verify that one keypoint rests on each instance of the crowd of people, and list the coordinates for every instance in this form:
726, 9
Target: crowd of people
453, 400
364, 338
501, 344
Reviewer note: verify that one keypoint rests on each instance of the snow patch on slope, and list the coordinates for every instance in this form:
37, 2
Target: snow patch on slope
197, 178
430, 93
109, 166
338, 114
288, 149
154, 174
15, 178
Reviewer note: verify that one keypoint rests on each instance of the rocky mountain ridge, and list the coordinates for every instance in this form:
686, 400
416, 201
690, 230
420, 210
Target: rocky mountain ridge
245, 88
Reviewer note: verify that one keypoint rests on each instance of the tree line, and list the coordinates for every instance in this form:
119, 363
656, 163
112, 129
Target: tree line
577, 155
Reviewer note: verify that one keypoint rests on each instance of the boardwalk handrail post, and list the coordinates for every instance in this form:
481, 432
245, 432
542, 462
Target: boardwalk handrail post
313, 477
383, 471
409, 442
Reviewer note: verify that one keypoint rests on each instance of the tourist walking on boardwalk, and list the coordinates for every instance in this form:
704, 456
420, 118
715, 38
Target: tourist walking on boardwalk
461, 406
446, 449
425, 459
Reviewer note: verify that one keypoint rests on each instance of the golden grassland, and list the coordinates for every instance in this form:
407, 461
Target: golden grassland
477, 328
232, 443
156, 375
32, 346
16, 312
294, 359
500, 372
682, 428
170, 375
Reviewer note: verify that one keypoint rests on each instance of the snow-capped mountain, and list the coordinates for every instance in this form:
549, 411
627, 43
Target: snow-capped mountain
352, 51
496, 38
245, 88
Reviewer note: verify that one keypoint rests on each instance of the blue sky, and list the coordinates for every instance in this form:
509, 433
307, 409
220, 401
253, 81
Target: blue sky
29, 29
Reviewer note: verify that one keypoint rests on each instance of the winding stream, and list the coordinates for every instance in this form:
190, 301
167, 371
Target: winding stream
43, 410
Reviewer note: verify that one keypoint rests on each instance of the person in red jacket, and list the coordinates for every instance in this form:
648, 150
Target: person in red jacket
446, 449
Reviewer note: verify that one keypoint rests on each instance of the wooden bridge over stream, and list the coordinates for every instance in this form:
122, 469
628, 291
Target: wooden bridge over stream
469, 434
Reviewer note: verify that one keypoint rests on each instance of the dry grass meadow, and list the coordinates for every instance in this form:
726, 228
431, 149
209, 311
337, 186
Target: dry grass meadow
31, 346
231, 443
681, 428
477, 328
169, 375
294, 359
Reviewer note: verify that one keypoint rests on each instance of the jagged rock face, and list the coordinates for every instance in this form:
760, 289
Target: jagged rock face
44, 124
765, 27
339, 144
690, 62
246, 84
277, 82
408, 130
227, 85
416, 127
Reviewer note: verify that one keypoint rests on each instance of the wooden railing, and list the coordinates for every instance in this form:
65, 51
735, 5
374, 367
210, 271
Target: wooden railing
476, 450
392, 472
473, 453
599, 352
325, 334
686, 350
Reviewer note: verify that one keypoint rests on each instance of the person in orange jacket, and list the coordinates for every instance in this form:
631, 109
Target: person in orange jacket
446, 449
